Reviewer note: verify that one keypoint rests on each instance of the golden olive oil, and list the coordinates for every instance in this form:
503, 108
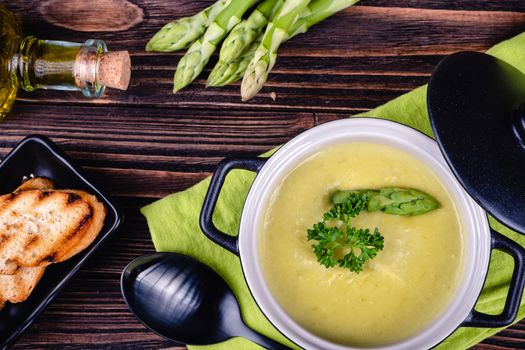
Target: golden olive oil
30, 63
10, 37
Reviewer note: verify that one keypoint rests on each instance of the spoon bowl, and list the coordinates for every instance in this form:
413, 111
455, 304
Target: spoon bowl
185, 301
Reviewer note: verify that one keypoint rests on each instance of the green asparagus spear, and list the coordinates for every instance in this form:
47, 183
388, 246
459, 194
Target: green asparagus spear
179, 34
225, 73
244, 33
392, 200
317, 11
265, 56
199, 53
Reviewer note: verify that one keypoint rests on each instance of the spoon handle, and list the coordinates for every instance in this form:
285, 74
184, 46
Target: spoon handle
262, 340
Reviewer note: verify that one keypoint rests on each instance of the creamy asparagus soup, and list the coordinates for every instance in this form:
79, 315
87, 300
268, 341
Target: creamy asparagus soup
402, 289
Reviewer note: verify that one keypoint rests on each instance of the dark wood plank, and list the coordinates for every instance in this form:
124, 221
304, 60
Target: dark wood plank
172, 137
146, 143
151, 152
353, 74
469, 5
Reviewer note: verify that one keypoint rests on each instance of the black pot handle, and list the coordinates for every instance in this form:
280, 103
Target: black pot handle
517, 283
210, 201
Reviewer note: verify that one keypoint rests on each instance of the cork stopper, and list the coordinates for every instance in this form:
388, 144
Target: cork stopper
114, 70
110, 69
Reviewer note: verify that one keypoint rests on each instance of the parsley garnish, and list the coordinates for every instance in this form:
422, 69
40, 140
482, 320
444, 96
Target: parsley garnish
340, 244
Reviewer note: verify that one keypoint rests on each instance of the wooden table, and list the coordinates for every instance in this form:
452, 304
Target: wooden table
146, 143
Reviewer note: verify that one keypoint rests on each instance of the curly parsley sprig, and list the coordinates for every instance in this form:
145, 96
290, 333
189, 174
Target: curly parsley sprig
336, 237
340, 244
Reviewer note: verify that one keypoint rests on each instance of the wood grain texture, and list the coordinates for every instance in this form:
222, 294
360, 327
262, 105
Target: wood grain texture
145, 143
350, 74
92, 16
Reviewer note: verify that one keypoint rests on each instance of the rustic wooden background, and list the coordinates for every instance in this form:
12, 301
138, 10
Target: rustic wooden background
146, 143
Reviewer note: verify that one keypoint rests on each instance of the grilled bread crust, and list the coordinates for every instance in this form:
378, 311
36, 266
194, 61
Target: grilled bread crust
18, 286
36, 227
40, 226
97, 222
39, 183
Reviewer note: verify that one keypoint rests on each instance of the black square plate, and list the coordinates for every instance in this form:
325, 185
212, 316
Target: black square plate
37, 155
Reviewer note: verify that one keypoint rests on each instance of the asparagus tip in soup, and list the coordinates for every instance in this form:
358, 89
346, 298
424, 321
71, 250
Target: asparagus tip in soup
392, 200
340, 244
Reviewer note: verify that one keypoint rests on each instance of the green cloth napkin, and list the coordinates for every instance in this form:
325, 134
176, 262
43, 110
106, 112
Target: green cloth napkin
173, 222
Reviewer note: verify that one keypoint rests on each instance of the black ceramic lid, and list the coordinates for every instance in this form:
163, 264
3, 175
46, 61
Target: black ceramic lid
474, 105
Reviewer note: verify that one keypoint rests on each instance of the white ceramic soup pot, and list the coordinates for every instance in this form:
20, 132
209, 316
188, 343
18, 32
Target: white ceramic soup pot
479, 239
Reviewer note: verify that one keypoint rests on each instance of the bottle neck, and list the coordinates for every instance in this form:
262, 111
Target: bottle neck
58, 65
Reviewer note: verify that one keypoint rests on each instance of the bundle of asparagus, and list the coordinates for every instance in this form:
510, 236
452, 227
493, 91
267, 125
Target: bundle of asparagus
249, 49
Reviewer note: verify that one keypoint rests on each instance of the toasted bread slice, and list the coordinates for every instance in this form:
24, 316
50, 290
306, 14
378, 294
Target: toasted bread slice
38, 183
99, 215
26, 277
16, 288
38, 226
11, 228
38, 198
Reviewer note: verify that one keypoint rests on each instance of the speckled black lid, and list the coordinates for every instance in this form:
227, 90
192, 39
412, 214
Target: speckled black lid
476, 107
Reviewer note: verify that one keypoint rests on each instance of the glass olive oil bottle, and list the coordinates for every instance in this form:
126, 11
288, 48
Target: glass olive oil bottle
30, 63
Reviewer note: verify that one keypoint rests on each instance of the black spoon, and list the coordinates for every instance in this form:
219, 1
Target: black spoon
185, 301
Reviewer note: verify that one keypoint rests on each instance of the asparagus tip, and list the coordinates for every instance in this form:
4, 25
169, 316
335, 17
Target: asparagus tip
252, 83
150, 46
210, 83
230, 52
248, 94
177, 85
